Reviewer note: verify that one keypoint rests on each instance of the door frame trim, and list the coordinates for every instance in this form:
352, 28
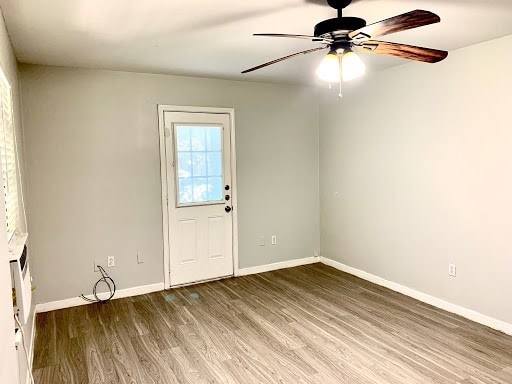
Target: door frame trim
163, 178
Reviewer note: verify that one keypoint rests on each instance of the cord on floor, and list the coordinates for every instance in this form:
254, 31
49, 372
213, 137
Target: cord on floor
105, 278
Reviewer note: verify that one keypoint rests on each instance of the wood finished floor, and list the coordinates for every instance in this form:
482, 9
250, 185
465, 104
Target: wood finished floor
310, 324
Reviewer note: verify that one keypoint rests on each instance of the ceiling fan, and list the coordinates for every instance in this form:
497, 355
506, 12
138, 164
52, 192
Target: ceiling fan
343, 34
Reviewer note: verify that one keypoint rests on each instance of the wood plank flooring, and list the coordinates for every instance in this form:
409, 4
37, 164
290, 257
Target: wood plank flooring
310, 324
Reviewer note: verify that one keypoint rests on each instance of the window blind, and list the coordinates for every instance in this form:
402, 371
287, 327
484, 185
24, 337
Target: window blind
8, 158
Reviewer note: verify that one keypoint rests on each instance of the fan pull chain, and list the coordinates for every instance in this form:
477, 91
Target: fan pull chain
339, 59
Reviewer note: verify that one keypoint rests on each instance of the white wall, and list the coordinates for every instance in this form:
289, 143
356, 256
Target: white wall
93, 171
416, 173
8, 363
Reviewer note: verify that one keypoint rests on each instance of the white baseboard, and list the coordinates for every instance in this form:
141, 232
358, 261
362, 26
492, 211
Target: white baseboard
276, 266
439, 303
76, 301
436, 302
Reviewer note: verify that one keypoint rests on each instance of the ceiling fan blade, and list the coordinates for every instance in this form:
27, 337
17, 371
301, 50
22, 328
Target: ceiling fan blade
284, 58
410, 52
304, 37
409, 20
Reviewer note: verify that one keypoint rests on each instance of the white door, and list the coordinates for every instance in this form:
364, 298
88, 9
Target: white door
199, 189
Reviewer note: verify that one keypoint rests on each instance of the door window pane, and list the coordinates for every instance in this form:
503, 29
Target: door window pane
200, 189
215, 188
184, 165
185, 186
214, 164
199, 164
213, 140
183, 139
198, 137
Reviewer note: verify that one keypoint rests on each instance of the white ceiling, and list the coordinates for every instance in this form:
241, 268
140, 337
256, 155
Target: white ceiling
213, 38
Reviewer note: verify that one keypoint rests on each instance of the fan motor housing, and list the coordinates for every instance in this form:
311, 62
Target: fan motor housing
339, 25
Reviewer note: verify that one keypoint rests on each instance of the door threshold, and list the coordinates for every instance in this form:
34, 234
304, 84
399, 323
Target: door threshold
200, 282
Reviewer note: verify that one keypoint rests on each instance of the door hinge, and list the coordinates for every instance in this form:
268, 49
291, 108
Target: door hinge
167, 132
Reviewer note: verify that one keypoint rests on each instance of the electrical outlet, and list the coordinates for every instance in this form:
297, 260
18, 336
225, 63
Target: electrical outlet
96, 263
111, 261
140, 258
274, 240
452, 270
261, 241
317, 253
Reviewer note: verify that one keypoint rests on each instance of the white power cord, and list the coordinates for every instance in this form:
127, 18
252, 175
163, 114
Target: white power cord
25, 348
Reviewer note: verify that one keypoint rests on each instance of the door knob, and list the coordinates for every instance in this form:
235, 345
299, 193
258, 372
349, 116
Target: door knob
227, 209
226, 187
226, 197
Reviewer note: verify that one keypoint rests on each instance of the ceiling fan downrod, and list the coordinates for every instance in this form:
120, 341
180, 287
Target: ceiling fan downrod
339, 5
339, 27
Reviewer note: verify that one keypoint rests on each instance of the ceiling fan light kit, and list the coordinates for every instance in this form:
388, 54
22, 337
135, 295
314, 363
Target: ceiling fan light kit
352, 66
329, 68
342, 35
342, 61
